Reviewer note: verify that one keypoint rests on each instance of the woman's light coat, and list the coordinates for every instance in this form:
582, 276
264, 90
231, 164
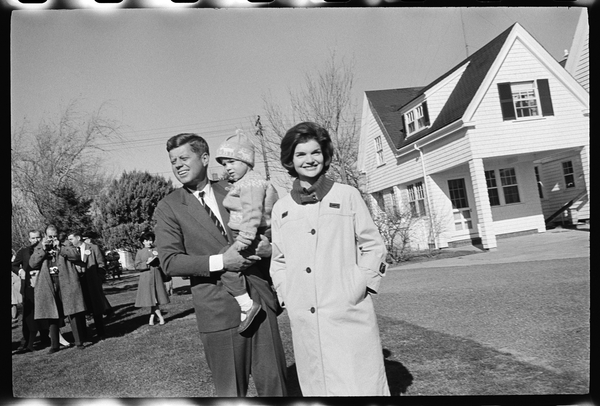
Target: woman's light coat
327, 256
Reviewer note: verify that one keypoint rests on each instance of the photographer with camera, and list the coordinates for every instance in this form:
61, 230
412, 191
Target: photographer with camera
57, 289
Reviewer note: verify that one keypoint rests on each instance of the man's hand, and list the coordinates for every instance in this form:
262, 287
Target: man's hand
234, 262
263, 249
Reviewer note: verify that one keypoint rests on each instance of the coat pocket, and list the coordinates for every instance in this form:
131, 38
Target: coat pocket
359, 285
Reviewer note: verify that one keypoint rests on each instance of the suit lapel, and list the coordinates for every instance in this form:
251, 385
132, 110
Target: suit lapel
199, 214
220, 192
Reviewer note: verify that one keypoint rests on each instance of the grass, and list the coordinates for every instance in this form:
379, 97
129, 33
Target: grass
137, 360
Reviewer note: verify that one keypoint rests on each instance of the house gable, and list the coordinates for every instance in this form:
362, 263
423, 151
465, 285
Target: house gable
520, 38
578, 61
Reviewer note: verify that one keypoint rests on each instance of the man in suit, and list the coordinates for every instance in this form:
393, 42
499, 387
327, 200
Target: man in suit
57, 289
88, 264
20, 266
192, 242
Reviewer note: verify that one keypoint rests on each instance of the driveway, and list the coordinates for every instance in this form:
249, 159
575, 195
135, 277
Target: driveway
530, 297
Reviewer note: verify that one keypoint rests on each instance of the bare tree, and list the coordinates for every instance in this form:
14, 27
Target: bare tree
57, 154
326, 99
396, 227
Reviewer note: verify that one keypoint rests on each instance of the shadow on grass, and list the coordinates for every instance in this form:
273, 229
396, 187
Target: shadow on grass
399, 378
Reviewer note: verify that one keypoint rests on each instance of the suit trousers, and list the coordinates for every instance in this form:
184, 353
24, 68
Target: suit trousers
232, 357
78, 328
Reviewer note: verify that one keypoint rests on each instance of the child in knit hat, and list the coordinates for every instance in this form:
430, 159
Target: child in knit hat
250, 202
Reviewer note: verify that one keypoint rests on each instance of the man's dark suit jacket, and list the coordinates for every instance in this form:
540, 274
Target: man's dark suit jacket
22, 258
185, 239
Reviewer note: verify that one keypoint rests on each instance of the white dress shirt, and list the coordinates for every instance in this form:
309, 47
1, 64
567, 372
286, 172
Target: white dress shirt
215, 263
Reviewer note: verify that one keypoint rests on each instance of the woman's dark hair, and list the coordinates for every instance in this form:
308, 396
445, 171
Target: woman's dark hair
198, 144
299, 134
148, 235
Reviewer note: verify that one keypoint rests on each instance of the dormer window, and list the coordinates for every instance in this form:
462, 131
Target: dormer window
416, 119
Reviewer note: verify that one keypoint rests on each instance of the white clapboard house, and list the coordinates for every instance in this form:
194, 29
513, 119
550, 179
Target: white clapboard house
494, 147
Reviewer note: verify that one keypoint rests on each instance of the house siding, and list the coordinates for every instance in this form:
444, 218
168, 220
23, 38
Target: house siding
555, 191
495, 137
382, 176
523, 216
582, 72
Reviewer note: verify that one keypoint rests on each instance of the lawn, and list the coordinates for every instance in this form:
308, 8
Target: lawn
138, 360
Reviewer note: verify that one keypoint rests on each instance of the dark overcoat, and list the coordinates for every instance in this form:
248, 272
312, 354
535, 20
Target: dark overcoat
91, 282
71, 294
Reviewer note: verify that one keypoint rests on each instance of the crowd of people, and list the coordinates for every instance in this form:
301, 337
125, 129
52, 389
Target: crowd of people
248, 255
60, 279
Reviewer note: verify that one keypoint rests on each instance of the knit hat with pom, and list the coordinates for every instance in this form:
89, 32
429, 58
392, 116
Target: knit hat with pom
238, 147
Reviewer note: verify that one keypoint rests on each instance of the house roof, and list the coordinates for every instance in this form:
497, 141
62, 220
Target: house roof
386, 104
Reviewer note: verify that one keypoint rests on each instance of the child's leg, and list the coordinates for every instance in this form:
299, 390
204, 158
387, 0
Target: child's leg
235, 284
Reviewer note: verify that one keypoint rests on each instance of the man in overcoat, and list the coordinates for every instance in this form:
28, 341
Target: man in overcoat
191, 238
88, 261
60, 294
29, 326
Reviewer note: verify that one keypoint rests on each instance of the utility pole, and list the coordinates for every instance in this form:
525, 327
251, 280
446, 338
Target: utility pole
262, 144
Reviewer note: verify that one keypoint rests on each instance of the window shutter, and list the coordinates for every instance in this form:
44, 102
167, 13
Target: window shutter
425, 113
506, 101
545, 99
403, 126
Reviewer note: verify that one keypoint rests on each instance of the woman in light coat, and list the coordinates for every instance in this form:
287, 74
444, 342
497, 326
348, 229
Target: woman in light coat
328, 259
151, 288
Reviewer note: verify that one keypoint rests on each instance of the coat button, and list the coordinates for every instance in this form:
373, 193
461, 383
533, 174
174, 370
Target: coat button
313, 231
308, 270
312, 309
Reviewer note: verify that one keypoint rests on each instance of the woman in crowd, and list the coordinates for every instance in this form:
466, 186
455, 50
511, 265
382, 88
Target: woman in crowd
151, 289
328, 259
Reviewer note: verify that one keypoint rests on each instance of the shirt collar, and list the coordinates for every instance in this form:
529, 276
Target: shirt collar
208, 192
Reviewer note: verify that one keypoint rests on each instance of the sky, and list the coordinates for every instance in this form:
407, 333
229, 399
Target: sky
160, 72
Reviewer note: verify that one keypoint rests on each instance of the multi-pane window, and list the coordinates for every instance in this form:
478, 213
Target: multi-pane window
508, 179
379, 150
458, 193
492, 186
410, 121
416, 119
416, 199
539, 182
568, 174
525, 99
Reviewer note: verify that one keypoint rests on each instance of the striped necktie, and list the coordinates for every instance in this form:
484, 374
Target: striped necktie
213, 217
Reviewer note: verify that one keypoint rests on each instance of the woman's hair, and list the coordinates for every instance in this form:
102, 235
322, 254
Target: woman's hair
148, 235
299, 134
198, 144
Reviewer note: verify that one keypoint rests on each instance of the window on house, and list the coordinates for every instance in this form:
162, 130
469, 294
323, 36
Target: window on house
539, 182
416, 199
379, 150
508, 179
569, 174
525, 99
492, 186
458, 193
416, 119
